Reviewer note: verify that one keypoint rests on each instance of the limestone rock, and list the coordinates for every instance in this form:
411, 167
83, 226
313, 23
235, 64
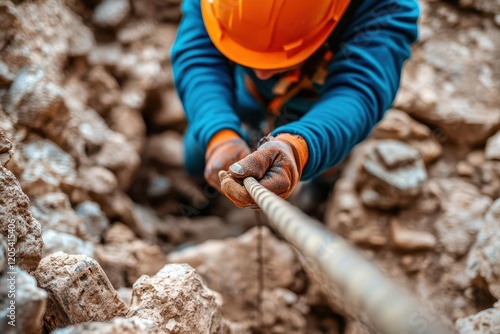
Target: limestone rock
96, 180
493, 147
484, 259
393, 175
150, 227
459, 97
105, 54
135, 30
171, 111
57, 241
30, 302
5, 144
177, 300
111, 13
117, 155
84, 134
463, 207
130, 123
160, 10
54, 212
409, 240
104, 90
78, 290
116, 326
46, 33
47, 167
5, 149
484, 322
488, 6
94, 219
33, 100
166, 148
398, 125
6, 76
125, 262
239, 285
16, 219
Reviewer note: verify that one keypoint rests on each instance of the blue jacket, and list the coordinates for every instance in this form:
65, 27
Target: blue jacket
363, 79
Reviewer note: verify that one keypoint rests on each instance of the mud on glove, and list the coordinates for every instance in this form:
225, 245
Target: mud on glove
225, 148
277, 165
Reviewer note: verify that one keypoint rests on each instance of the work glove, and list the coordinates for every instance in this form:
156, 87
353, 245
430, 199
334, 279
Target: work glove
277, 165
225, 148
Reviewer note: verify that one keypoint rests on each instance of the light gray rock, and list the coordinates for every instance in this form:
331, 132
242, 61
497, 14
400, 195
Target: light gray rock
111, 13
78, 291
116, 326
34, 100
493, 147
462, 211
396, 124
487, 6
135, 30
178, 301
460, 97
57, 241
6, 76
239, 284
93, 217
54, 212
484, 259
393, 174
30, 301
484, 322
47, 167
166, 148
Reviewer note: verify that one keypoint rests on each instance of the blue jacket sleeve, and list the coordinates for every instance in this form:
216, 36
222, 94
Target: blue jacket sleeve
362, 84
203, 78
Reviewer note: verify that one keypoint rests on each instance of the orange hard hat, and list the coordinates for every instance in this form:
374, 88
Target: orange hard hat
270, 34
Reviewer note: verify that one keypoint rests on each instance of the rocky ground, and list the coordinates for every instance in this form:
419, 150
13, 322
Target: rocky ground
111, 236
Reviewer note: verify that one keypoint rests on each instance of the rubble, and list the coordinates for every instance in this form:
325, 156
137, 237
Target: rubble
115, 326
178, 301
91, 127
54, 211
487, 321
110, 13
124, 258
459, 97
210, 258
463, 207
16, 220
47, 168
78, 291
398, 125
94, 219
30, 303
57, 241
483, 261
393, 175
408, 240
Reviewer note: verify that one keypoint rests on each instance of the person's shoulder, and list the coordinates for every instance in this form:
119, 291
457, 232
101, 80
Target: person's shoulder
385, 7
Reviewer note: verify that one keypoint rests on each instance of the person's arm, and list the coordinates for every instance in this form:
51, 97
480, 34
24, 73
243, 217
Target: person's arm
363, 81
203, 78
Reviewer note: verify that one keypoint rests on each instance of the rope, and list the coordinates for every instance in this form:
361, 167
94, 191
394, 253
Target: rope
371, 296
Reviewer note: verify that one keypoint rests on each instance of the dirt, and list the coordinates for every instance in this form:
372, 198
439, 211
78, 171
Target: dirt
112, 236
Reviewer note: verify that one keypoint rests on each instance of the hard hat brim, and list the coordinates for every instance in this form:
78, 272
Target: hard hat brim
268, 60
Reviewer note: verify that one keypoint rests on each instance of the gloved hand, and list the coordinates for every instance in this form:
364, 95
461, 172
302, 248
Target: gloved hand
277, 165
225, 148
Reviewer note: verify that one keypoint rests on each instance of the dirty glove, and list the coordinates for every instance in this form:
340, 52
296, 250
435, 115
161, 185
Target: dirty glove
225, 148
277, 165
